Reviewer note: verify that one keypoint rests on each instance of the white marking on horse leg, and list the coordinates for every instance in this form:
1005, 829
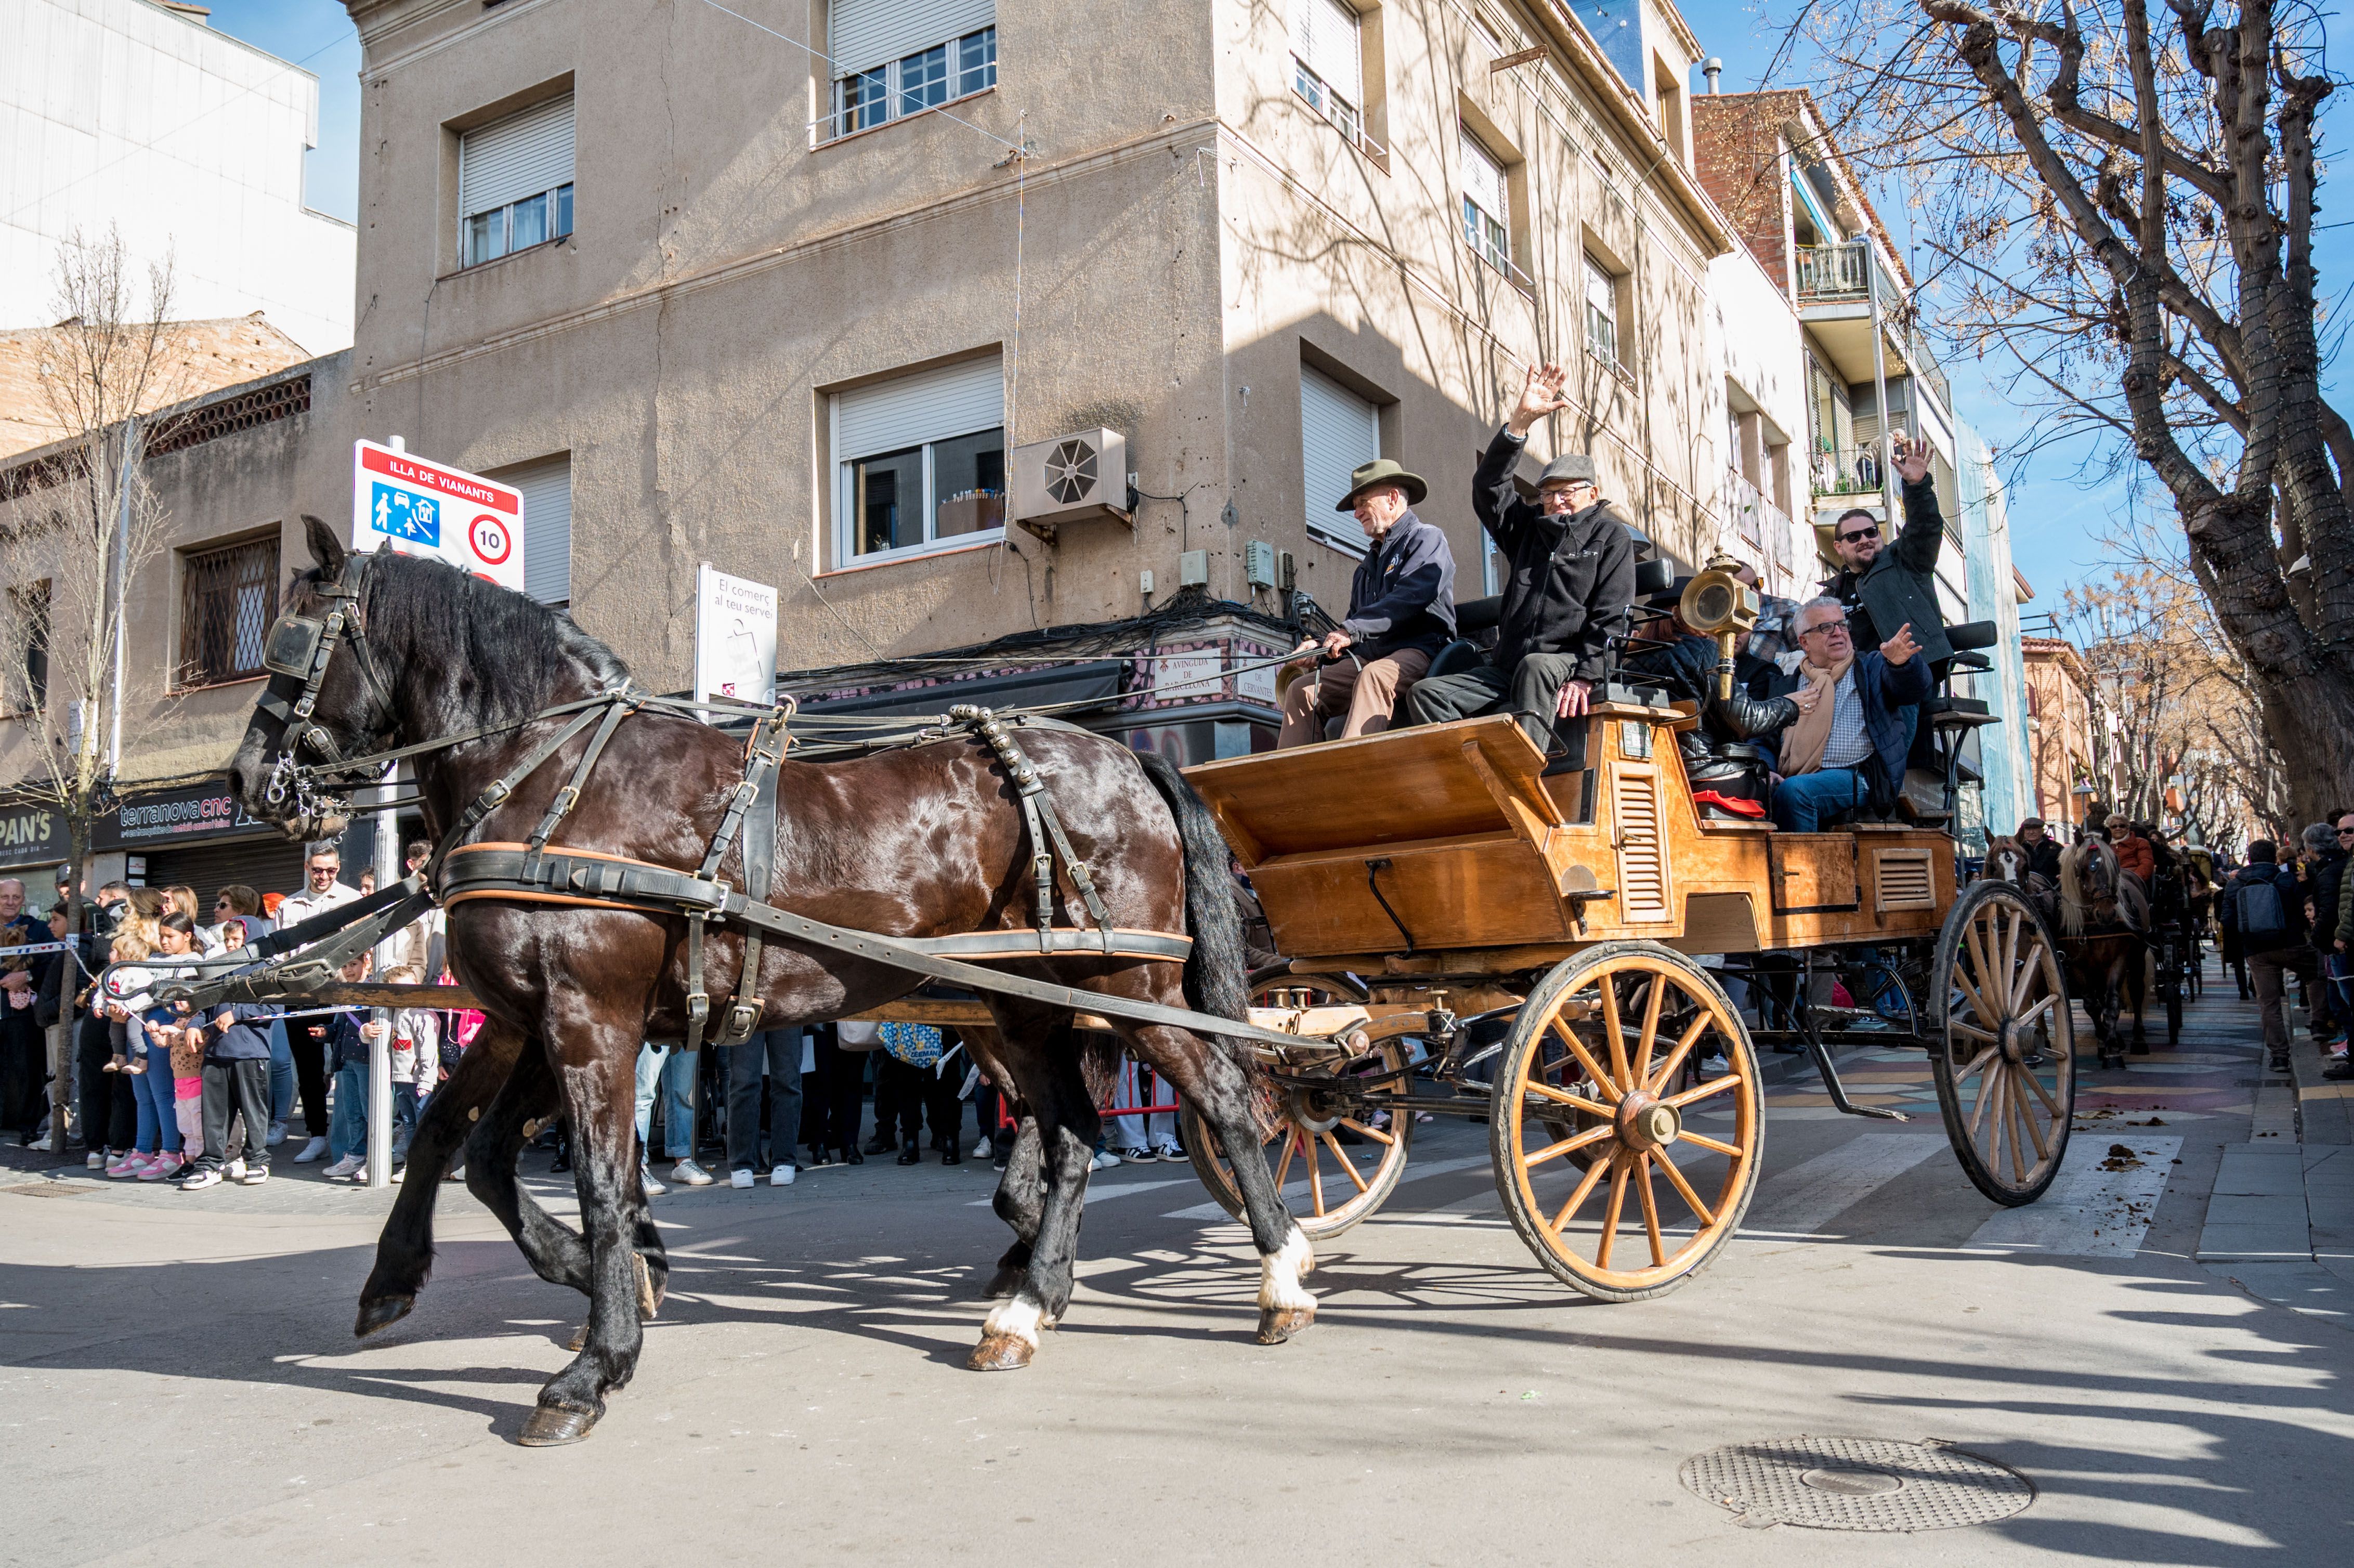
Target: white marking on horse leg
1278, 1275
1019, 1317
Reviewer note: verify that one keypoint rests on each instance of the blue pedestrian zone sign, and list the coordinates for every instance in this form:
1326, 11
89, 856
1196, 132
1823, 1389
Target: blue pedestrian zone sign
404, 515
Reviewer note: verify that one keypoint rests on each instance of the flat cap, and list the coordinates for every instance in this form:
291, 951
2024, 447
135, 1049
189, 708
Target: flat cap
2033, 822
1571, 468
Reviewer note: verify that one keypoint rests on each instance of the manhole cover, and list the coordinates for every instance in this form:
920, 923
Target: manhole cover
1857, 1483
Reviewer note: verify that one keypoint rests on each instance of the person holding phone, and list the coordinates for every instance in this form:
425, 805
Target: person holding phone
1886, 583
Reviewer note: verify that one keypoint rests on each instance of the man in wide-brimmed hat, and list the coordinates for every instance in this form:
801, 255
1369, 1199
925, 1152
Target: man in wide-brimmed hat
1401, 613
1571, 560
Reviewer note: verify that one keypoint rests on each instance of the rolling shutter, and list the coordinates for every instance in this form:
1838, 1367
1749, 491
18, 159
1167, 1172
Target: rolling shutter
1340, 432
546, 488
1325, 33
862, 34
957, 400
519, 156
1483, 181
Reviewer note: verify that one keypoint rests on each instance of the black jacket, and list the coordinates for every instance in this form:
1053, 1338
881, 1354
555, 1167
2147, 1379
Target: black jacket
2329, 881
2043, 858
1569, 577
2292, 933
1686, 669
1900, 586
1404, 593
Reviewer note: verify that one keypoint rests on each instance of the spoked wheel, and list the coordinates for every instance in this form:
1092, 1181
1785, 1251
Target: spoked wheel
2006, 1065
1339, 1167
1595, 1068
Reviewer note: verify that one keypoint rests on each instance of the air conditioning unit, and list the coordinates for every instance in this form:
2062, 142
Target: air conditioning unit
1070, 479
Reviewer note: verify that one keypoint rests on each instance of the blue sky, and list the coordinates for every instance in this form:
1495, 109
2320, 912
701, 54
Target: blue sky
2056, 521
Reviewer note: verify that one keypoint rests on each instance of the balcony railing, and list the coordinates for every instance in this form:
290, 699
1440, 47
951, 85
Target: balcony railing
1843, 274
1753, 516
1847, 470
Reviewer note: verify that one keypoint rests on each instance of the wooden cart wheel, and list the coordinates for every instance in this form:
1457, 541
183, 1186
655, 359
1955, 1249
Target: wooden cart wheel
2005, 1054
1334, 1184
1605, 1057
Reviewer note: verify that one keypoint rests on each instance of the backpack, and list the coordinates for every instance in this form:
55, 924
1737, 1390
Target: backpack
2261, 912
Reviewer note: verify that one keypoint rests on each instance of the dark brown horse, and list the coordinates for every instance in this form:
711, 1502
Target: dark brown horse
920, 841
2104, 927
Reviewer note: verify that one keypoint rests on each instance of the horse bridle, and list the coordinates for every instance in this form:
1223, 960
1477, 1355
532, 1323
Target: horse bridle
297, 653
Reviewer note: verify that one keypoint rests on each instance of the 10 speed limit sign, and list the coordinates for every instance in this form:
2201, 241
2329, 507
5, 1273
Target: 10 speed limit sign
423, 508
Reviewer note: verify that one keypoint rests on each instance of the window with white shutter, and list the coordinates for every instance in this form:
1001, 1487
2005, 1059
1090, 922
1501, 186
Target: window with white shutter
919, 462
547, 490
1601, 311
891, 59
1327, 61
1486, 211
1340, 432
514, 183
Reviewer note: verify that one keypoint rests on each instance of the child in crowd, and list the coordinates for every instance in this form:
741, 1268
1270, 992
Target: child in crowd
348, 1036
164, 1134
134, 943
415, 1058
235, 1081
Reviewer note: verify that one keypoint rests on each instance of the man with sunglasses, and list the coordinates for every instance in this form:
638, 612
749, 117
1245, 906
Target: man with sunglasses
1571, 562
1845, 747
1885, 584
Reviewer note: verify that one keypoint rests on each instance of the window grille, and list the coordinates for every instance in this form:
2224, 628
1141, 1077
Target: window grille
228, 600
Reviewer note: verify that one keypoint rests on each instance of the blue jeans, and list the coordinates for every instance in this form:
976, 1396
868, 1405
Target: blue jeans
281, 1072
673, 1073
1801, 803
159, 1120
348, 1121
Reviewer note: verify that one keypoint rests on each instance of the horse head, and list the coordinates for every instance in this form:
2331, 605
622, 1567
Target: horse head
2088, 887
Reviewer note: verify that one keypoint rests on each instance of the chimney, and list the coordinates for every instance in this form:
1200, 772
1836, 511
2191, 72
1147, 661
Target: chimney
1712, 68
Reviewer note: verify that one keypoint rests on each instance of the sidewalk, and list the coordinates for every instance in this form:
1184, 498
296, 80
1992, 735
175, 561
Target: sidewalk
2280, 1221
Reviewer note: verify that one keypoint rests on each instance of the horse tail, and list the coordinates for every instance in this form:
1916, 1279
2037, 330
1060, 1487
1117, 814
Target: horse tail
1217, 971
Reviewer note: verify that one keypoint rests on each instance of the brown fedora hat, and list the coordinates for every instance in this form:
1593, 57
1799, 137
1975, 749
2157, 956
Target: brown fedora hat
1383, 471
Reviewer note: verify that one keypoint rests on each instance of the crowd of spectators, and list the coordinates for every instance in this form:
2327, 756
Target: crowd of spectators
157, 1093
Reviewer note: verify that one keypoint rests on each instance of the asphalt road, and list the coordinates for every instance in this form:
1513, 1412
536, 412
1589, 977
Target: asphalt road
178, 1383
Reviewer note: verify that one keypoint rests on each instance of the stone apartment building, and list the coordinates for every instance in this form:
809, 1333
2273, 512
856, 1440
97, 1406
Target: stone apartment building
706, 295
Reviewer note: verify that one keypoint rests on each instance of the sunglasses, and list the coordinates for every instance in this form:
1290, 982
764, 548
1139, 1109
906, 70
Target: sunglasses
1822, 627
1870, 533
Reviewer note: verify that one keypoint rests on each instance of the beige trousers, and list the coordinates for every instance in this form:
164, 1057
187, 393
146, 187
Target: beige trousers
1365, 697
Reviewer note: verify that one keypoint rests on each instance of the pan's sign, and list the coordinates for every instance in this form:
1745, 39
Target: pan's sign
31, 833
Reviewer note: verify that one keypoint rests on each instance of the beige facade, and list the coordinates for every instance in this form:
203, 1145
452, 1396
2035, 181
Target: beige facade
1191, 233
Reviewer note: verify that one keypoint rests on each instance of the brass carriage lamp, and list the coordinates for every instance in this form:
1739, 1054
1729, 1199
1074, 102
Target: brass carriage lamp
1718, 604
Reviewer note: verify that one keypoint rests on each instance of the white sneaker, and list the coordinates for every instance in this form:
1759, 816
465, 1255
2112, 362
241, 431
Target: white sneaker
234, 1170
782, 1176
1167, 1152
687, 1173
253, 1176
740, 1176
342, 1168
314, 1150
1103, 1161
96, 1161
653, 1188
983, 1149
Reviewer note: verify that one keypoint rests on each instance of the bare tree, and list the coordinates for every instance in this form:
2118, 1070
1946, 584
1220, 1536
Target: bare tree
2123, 208
76, 524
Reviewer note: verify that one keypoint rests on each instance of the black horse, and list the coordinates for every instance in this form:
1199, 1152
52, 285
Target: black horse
918, 842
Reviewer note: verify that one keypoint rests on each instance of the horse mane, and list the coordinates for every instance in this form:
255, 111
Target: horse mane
514, 655
2075, 896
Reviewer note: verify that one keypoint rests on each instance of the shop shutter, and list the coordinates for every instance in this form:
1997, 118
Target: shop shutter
519, 156
1325, 33
546, 488
957, 400
862, 34
1340, 432
265, 864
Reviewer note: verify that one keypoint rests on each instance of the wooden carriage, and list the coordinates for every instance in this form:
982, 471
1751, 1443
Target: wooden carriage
1527, 946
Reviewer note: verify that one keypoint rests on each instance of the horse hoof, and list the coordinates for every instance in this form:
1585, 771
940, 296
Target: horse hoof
650, 1295
381, 1312
1000, 1352
1276, 1324
1002, 1284
551, 1426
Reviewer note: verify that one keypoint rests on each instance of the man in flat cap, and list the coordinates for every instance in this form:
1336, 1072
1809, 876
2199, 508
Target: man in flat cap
1401, 613
1571, 558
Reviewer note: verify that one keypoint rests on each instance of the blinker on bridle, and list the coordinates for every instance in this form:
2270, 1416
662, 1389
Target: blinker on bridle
300, 649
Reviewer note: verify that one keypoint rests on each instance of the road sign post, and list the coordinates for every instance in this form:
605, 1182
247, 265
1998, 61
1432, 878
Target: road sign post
418, 507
